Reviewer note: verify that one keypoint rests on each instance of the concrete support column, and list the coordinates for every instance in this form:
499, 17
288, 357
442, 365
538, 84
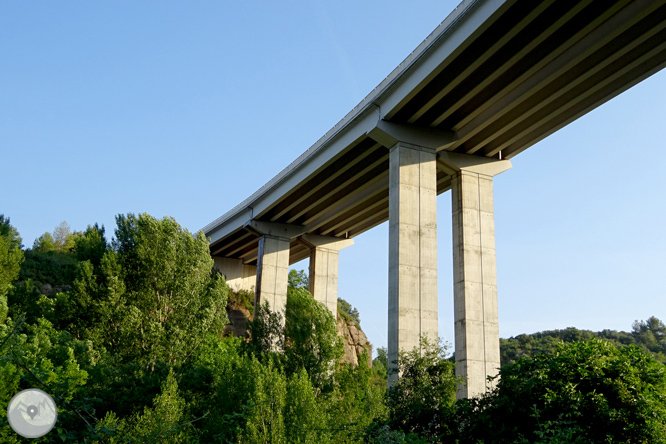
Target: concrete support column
412, 248
324, 252
475, 282
272, 262
239, 276
474, 271
272, 273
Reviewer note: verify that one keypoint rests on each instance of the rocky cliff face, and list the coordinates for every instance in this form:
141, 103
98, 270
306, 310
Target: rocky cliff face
353, 339
355, 342
238, 318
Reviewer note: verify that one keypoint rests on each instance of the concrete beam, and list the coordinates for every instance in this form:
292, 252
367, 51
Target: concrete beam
454, 162
326, 242
389, 134
412, 248
239, 276
263, 228
324, 258
475, 272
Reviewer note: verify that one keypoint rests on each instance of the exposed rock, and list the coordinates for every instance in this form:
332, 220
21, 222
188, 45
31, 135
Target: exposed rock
354, 341
237, 325
46, 289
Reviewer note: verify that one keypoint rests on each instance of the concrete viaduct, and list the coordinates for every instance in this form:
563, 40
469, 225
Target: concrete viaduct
493, 79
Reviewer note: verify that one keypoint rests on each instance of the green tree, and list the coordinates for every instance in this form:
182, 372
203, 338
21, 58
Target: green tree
305, 420
585, 392
63, 238
298, 279
422, 400
9, 232
348, 313
648, 335
11, 257
165, 422
44, 243
311, 339
91, 245
356, 402
265, 406
169, 296
380, 363
266, 333
41, 356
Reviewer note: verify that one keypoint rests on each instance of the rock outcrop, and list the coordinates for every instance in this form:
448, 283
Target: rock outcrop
354, 341
238, 318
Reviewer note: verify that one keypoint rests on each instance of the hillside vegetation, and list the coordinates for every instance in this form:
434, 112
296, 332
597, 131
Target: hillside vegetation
128, 335
649, 336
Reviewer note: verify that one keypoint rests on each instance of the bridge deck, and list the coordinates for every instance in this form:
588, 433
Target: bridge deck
501, 74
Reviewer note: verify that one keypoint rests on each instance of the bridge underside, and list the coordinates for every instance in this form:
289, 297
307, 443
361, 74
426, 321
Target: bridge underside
531, 69
496, 77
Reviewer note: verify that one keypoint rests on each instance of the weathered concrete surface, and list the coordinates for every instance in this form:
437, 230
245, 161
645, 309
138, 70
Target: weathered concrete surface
239, 276
475, 272
324, 259
272, 273
412, 247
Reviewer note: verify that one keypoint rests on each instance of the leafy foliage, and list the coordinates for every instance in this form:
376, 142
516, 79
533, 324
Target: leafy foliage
422, 399
241, 299
91, 245
348, 313
380, 363
298, 279
311, 339
129, 342
305, 417
266, 332
649, 336
164, 422
61, 241
357, 402
11, 257
588, 392
9, 232
171, 296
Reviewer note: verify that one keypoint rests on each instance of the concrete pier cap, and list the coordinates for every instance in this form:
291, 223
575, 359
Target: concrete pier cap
327, 242
454, 162
389, 134
263, 228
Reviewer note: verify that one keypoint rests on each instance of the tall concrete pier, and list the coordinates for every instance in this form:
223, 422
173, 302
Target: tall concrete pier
412, 247
494, 78
474, 269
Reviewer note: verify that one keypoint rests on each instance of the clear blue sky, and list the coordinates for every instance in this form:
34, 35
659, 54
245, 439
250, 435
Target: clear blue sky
186, 108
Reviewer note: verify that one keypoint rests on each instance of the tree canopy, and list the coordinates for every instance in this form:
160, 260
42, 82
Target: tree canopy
128, 337
585, 392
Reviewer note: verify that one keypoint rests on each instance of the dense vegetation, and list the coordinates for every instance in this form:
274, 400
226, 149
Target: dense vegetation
649, 336
128, 337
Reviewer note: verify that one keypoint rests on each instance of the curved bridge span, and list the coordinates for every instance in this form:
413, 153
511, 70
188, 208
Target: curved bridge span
493, 79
